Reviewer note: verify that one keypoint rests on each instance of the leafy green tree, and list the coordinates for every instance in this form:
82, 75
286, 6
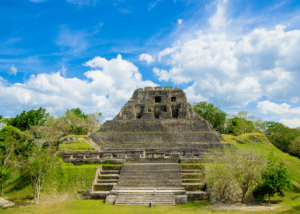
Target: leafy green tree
274, 179
78, 112
30, 118
211, 113
1, 117
42, 157
294, 147
78, 123
10, 140
239, 125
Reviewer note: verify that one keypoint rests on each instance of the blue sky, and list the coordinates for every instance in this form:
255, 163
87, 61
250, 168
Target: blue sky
92, 54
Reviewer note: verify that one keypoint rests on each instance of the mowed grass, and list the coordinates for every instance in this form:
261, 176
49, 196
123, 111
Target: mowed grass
76, 145
98, 206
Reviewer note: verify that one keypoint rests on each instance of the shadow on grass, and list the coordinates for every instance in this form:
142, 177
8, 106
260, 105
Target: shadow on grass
19, 184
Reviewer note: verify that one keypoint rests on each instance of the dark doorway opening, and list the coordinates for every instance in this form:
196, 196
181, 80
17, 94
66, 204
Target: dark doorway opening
157, 99
173, 99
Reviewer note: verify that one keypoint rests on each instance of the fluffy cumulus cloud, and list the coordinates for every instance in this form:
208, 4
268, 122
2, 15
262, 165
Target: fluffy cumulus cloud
287, 114
109, 84
146, 58
235, 72
270, 107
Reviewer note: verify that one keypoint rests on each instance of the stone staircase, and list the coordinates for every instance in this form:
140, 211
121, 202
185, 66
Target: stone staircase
106, 177
137, 182
194, 182
143, 198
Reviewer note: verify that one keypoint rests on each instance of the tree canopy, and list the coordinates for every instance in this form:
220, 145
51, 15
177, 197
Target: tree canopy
211, 113
30, 118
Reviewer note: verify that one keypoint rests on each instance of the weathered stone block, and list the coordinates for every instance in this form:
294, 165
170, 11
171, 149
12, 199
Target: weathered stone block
110, 199
181, 199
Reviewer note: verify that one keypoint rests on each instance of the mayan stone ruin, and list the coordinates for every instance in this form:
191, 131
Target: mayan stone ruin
155, 131
156, 123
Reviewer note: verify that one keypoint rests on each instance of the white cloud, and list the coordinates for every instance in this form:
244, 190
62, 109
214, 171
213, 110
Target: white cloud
218, 20
162, 74
13, 70
147, 58
166, 52
270, 107
179, 21
235, 72
292, 123
109, 84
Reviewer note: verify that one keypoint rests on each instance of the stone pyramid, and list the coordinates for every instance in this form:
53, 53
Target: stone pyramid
156, 123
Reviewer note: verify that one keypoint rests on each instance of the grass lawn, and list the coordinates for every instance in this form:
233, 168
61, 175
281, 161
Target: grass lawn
76, 145
290, 204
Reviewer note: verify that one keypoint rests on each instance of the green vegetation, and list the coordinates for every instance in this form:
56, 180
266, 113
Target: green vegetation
211, 113
260, 144
27, 119
76, 145
274, 178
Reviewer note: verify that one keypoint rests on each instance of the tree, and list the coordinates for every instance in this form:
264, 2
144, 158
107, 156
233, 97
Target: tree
42, 156
274, 178
10, 139
1, 117
233, 172
27, 119
75, 123
78, 112
211, 113
294, 147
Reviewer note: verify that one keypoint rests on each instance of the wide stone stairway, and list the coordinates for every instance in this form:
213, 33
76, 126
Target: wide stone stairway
141, 182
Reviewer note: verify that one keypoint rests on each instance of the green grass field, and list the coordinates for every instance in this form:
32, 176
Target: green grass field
76, 145
60, 188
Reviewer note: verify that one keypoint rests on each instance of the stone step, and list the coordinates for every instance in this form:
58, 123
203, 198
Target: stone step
108, 181
105, 172
190, 167
192, 180
194, 186
143, 199
190, 176
199, 171
103, 186
109, 176
111, 167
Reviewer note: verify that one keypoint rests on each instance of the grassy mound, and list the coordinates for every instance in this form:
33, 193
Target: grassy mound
75, 145
259, 143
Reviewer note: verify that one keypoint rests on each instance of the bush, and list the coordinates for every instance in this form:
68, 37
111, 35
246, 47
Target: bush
233, 174
274, 178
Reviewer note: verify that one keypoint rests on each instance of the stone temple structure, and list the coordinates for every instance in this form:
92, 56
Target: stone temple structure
156, 123
155, 131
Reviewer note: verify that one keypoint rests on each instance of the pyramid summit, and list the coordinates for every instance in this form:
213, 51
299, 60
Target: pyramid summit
157, 123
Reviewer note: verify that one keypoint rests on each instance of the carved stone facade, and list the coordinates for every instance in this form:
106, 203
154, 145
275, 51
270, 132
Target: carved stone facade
157, 103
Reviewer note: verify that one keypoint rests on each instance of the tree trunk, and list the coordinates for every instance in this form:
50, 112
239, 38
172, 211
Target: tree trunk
269, 200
